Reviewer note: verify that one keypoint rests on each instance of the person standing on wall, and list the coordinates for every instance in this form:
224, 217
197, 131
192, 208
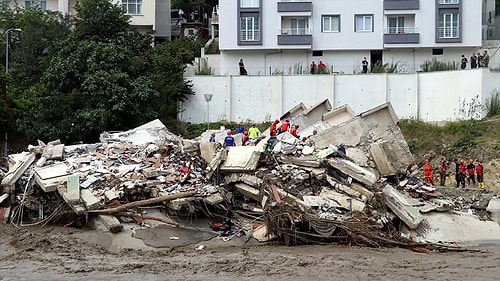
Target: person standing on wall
463, 62
364, 64
312, 68
321, 67
486, 58
479, 60
243, 71
473, 61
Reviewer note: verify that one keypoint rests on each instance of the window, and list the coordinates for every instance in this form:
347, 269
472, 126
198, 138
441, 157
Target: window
331, 23
132, 7
449, 1
448, 26
363, 23
436, 52
317, 53
249, 3
32, 3
396, 25
299, 26
249, 29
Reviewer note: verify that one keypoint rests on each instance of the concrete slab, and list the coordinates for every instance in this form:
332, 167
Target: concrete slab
73, 189
248, 191
343, 200
494, 209
338, 115
90, 200
348, 133
241, 158
50, 177
353, 170
461, 228
398, 203
22, 162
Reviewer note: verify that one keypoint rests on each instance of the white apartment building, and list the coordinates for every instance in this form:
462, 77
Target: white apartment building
285, 36
146, 15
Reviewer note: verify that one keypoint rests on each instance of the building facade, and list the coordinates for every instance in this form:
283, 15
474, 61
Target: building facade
146, 15
286, 36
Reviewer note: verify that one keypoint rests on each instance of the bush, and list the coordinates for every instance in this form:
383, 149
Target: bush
493, 104
435, 65
378, 67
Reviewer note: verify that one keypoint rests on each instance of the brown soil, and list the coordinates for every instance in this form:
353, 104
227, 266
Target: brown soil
53, 253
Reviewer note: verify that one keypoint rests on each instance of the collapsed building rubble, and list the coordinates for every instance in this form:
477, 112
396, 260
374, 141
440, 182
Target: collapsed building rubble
347, 183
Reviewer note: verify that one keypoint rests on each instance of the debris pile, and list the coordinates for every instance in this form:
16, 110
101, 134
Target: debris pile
349, 181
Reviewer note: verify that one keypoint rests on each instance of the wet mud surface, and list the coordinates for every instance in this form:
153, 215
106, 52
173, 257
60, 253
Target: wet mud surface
55, 253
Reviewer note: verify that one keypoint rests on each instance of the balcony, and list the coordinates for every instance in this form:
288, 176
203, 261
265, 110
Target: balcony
295, 36
401, 35
295, 6
401, 4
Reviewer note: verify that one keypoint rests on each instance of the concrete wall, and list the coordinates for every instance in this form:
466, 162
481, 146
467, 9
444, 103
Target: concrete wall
432, 97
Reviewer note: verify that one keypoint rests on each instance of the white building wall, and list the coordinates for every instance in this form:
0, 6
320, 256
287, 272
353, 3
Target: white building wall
347, 38
431, 97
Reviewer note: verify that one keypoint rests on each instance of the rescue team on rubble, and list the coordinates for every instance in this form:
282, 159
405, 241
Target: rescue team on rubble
253, 132
470, 172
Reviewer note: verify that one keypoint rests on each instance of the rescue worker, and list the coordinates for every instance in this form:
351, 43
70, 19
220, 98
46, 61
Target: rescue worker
229, 139
293, 131
212, 137
284, 126
461, 173
253, 132
245, 138
239, 128
479, 174
273, 128
428, 172
471, 170
442, 171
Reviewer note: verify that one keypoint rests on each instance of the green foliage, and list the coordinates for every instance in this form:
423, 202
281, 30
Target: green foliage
98, 77
213, 48
378, 67
493, 104
435, 65
100, 20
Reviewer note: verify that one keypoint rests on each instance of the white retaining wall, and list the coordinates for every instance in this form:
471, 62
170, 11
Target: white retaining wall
431, 97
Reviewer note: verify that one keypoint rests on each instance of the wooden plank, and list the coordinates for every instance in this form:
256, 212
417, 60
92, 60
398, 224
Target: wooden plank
275, 193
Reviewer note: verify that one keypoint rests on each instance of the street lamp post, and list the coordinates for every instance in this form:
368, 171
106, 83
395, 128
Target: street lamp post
7, 33
208, 98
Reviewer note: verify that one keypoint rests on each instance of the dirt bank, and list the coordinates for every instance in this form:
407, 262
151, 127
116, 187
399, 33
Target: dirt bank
53, 253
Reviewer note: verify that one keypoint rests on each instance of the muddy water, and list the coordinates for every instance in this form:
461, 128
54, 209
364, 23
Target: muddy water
56, 254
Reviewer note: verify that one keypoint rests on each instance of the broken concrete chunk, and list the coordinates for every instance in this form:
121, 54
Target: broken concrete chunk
50, 177
248, 191
241, 158
213, 199
90, 201
22, 162
110, 222
397, 202
353, 170
89, 181
73, 189
343, 200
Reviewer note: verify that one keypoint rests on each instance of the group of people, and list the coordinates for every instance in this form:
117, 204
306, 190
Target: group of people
470, 172
320, 68
252, 133
476, 61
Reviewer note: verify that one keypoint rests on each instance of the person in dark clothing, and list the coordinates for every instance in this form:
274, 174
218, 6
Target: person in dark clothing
243, 71
229, 140
471, 173
457, 164
479, 60
442, 171
312, 68
473, 61
364, 64
463, 62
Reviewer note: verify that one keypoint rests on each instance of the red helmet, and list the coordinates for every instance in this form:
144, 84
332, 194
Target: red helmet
229, 132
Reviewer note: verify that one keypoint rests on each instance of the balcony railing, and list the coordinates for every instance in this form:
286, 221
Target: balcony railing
448, 32
449, 1
295, 31
400, 30
250, 36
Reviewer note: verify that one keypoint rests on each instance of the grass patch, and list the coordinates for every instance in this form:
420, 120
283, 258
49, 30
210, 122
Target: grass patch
493, 105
